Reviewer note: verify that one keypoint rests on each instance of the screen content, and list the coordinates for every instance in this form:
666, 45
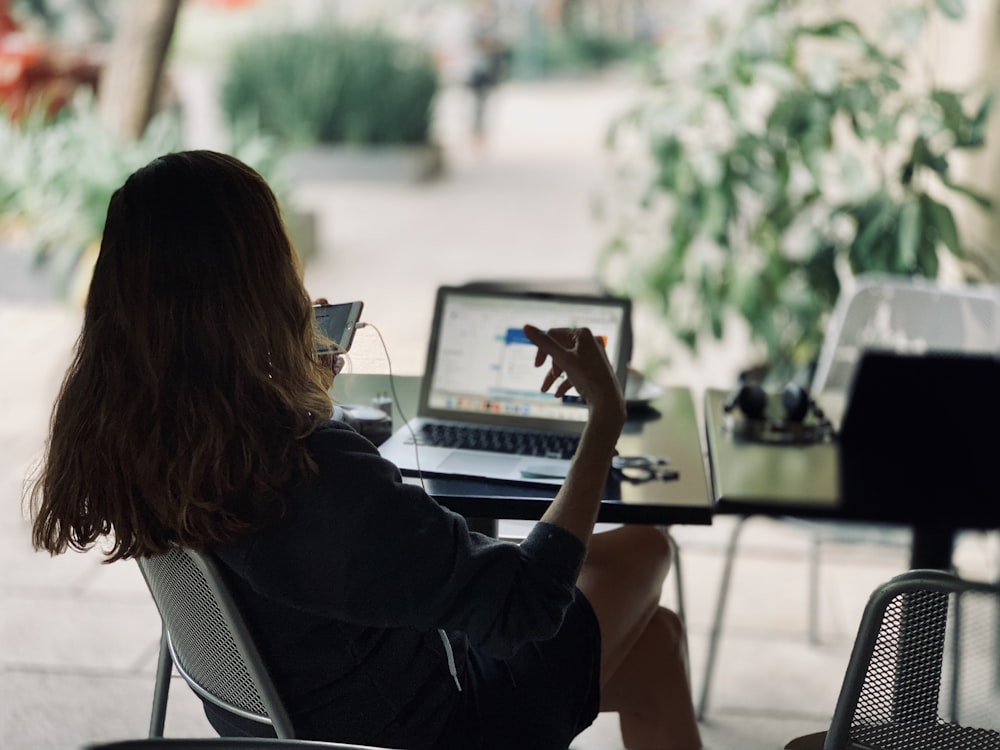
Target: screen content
334, 321
485, 363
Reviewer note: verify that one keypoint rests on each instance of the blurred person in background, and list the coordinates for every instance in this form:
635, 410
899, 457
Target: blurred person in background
488, 64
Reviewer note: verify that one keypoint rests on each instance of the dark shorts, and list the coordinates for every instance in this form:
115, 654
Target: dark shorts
540, 698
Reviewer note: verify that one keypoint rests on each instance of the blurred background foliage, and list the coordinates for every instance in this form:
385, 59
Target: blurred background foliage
797, 150
59, 173
575, 49
290, 74
329, 84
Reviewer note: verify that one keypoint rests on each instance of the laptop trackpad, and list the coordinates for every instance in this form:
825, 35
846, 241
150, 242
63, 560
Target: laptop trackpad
541, 468
480, 465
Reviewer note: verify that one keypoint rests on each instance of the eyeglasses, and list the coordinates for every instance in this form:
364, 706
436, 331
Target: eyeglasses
640, 469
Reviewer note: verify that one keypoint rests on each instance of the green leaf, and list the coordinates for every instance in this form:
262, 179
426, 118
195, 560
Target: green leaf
885, 128
927, 250
977, 131
872, 218
950, 104
909, 23
982, 200
968, 131
939, 216
909, 234
927, 260
953, 9
689, 338
840, 28
716, 316
847, 31
922, 155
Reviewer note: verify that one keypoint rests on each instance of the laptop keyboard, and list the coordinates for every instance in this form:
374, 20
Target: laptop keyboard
498, 440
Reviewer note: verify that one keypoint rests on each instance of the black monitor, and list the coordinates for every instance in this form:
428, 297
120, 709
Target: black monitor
920, 439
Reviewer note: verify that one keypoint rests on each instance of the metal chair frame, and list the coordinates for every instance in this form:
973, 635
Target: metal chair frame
938, 587
240, 654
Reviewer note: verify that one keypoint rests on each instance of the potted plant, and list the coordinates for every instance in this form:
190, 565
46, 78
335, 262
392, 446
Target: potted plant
343, 99
793, 154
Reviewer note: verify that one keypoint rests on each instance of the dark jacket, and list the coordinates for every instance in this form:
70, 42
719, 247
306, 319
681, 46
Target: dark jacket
350, 594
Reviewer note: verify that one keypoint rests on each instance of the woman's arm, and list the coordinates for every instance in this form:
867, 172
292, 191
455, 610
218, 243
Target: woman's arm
578, 359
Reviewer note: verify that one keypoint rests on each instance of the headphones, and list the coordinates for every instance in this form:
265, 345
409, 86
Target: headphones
799, 421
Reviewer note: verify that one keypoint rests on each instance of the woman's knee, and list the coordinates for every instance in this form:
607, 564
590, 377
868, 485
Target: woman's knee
624, 572
670, 631
670, 623
656, 540
648, 547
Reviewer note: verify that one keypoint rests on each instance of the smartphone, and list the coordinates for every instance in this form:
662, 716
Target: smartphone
337, 323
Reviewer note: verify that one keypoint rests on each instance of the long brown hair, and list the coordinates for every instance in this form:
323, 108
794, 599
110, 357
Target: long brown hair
195, 378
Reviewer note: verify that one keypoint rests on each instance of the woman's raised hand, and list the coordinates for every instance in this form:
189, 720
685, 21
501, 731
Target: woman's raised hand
578, 359
334, 362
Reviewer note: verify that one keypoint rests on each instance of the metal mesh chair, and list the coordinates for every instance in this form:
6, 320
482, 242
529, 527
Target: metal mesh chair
922, 674
205, 636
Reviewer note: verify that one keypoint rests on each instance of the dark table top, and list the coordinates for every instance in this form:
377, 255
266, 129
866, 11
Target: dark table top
668, 428
934, 498
801, 480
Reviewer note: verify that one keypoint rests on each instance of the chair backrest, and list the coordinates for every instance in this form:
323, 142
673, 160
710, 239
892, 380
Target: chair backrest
906, 316
923, 671
208, 638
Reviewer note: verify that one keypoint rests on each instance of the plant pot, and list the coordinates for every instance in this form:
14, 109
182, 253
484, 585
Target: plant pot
407, 164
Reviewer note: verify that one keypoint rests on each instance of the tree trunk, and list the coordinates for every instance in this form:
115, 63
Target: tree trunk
131, 78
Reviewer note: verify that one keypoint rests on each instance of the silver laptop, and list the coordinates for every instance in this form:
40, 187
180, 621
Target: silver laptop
481, 412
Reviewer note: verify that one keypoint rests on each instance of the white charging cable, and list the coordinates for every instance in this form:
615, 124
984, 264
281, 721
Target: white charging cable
395, 400
445, 640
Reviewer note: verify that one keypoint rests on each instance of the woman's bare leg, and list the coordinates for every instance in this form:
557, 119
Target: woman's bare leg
643, 663
651, 691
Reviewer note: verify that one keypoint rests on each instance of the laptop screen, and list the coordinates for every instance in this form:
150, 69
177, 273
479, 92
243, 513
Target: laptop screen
481, 366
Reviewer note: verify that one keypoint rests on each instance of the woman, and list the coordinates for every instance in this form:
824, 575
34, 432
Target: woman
196, 412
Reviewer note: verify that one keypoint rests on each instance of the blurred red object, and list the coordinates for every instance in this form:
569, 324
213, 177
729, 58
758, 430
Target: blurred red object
7, 24
230, 3
39, 73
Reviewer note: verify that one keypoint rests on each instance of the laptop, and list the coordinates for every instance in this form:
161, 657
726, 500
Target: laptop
481, 413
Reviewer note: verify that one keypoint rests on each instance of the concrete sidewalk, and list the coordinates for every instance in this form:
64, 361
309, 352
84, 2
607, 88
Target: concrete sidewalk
78, 640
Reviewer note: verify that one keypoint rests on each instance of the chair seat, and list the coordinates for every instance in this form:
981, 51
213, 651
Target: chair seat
940, 735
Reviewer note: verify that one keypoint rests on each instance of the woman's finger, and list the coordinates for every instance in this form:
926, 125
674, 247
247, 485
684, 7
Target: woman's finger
566, 347
552, 343
542, 341
555, 372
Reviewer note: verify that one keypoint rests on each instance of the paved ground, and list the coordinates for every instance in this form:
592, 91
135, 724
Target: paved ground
78, 639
